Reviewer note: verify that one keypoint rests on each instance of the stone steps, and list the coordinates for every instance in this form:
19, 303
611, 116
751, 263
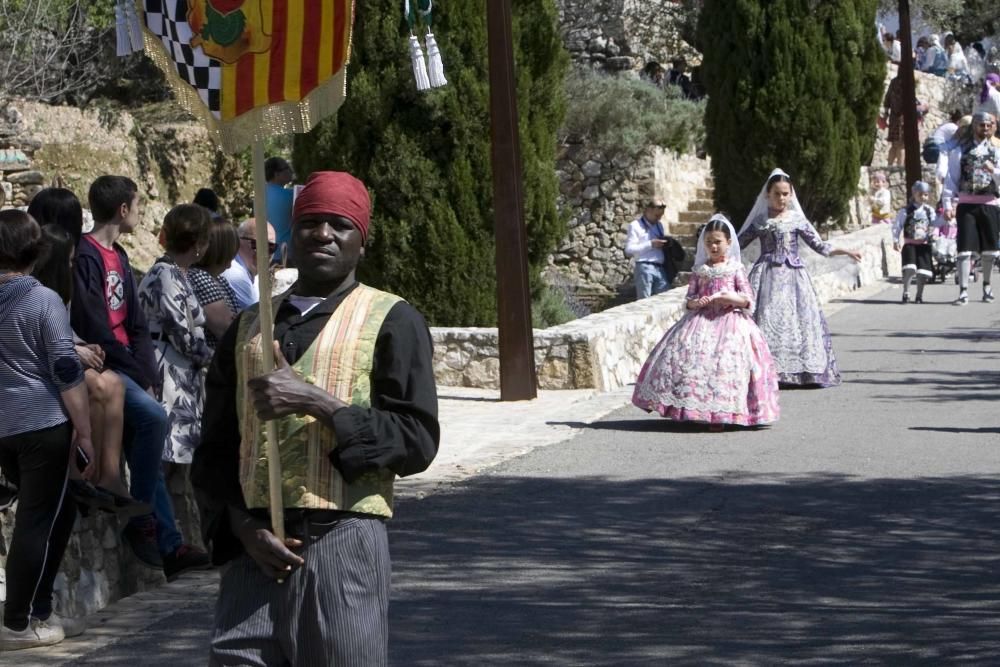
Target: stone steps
688, 224
694, 217
706, 205
684, 228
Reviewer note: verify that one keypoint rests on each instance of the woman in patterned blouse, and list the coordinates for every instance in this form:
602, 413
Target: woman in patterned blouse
214, 294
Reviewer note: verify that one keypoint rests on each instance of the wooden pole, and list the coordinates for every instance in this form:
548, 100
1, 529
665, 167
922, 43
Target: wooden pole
267, 335
517, 359
911, 133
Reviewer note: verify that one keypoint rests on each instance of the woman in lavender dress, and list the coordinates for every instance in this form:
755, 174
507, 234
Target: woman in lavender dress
788, 311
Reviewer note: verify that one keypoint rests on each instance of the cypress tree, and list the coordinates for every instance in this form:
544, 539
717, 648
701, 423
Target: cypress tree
793, 84
426, 156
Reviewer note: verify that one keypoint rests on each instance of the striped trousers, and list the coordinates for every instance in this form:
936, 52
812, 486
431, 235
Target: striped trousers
332, 611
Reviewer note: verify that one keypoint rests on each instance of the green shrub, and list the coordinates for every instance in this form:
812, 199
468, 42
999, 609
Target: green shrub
619, 115
554, 304
426, 156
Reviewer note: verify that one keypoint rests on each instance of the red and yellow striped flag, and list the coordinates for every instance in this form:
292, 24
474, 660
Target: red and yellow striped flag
253, 68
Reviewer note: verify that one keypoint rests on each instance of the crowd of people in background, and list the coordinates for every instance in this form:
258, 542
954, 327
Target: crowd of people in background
958, 231
114, 369
686, 81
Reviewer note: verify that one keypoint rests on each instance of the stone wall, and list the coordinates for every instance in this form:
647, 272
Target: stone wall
621, 34
605, 350
601, 196
167, 154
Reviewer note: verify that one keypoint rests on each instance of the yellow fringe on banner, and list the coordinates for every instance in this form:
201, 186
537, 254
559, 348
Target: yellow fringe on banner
262, 122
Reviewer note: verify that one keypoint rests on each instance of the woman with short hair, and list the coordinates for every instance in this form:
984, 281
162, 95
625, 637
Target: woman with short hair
214, 294
177, 326
45, 422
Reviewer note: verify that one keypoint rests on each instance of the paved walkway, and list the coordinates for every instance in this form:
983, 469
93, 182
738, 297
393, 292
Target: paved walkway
918, 403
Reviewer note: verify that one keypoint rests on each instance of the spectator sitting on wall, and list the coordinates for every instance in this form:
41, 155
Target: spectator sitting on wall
920, 52
935, 59
891, 46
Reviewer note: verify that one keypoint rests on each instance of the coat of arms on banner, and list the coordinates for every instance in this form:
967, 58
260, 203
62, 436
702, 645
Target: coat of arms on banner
227, 29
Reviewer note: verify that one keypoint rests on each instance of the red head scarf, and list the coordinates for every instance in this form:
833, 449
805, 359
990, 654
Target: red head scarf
335, 193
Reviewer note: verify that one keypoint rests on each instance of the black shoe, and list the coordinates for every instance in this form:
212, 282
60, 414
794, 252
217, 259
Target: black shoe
185, 559
88, 495
906, 297
126, 506
919, 299
140, 534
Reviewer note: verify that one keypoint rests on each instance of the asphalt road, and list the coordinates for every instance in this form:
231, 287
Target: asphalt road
860, 529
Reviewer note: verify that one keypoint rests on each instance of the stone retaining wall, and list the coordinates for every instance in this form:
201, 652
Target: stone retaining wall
621, 34
99, 568
605, 351
601, 197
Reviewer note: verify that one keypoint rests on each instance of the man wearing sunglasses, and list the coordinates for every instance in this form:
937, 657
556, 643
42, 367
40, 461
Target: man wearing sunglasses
656, 254
242, 272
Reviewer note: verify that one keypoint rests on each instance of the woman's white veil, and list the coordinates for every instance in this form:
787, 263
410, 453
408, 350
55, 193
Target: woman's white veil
760, 206
733, 254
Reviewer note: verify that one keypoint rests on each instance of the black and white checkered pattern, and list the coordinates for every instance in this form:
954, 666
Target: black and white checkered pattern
168, 20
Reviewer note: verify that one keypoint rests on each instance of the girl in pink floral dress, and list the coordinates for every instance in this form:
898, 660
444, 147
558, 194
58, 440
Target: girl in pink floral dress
714, 365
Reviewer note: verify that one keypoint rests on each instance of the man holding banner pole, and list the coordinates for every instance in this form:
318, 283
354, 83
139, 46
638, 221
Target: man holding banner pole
354, 404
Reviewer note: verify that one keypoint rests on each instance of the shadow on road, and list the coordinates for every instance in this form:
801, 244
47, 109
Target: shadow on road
949, 429
650, 425
940, 386
818, 569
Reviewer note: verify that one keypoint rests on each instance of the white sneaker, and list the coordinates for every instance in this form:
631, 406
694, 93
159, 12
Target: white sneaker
38, 633
71, 627
963, 298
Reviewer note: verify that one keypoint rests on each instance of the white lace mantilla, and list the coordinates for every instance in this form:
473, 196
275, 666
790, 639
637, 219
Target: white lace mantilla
787, 224
722, 270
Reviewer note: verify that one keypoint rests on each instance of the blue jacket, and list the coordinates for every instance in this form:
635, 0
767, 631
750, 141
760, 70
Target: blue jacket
89, 316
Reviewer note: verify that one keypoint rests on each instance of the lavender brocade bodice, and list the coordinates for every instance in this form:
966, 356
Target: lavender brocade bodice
779, 239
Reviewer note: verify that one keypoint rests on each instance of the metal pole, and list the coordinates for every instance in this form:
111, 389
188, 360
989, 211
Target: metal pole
517, 361
911, 133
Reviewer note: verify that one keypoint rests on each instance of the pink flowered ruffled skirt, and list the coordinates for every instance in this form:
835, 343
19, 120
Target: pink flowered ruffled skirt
713, 366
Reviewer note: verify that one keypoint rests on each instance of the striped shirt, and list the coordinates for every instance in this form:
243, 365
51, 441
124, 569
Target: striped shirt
37, 358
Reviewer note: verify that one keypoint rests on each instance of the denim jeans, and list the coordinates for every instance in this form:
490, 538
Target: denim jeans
650, 279
145, 436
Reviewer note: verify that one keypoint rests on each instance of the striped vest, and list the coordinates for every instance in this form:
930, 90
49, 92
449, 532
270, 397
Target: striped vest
339, 361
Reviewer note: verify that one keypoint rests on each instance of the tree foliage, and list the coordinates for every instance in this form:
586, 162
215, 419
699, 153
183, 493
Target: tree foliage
54, 50
619, 115
426, 156
793, 84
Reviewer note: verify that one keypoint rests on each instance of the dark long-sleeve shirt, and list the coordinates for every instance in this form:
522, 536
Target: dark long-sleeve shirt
89, 316
398, 432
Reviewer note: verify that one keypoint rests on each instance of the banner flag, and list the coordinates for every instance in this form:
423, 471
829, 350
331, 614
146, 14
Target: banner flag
251, 69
